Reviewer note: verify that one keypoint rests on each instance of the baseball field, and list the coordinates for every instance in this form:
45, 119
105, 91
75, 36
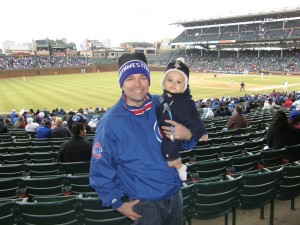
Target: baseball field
102, 89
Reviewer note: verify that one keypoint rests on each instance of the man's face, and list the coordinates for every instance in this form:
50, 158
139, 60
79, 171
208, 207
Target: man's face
135, 87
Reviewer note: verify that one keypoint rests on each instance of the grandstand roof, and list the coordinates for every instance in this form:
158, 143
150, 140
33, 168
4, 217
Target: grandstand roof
273, 14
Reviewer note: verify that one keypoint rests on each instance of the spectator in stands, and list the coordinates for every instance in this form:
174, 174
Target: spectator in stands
20, 123
44, 131
226, 112
12, 114
93, 122
77, 148
294, 119
269, 104
209, 113
280, 133
60, 131
238, 120
296, 105
288, 103
3, 128
8, 123
31, 126
126, 158
176, 104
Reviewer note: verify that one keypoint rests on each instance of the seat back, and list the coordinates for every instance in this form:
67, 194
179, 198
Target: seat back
215, 198
208, 168
273, 157
42, 169
47, 213
92, 212
187, 192
9, 186
292, 153
79, 184
49, 185
6, 212
289, 187
231, 149
11, 170
202, 154
75, 167
245, 163
258, 189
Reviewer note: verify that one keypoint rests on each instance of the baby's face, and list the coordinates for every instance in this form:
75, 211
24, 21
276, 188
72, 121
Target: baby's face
174, 82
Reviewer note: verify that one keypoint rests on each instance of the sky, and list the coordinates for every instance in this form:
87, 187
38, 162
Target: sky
131, 20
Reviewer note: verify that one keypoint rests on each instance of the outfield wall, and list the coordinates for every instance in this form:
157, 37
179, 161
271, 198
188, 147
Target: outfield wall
65, 70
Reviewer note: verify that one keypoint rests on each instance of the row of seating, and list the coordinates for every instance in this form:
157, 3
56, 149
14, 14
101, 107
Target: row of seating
219, 196
43, 169
67, 210
29, 149
269, 157
204, 199
29, 157
56, 185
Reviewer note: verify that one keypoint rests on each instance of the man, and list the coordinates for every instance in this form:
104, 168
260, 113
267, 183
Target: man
285, 86
60, 131
44, 131
76, 149
242, 86
31, 126
237, 120
126, 157
3, 128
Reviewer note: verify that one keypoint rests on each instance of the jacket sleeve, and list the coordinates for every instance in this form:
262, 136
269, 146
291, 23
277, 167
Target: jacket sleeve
194, 123
103, 169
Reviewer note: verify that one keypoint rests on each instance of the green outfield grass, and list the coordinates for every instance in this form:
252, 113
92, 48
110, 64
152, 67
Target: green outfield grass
102, 90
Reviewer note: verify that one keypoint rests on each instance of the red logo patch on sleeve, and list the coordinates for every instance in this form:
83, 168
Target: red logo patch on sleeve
97, 150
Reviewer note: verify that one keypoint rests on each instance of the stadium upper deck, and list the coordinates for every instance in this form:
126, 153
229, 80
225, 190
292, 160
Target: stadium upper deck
276, 28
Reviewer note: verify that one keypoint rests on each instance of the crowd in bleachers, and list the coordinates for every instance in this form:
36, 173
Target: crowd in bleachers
287, 62
43, 62
229, 62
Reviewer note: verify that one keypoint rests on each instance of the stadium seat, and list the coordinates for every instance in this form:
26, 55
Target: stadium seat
202, 154
6, 212
215, 134
9, 186
11, 170
13, 158
215, 198
219, 141
46, 148
49, 185
240, 138
272, 157
47, 213
92, 212
258, 189
74, 167
79, 184
208, 168
254, 145
292, 153
7, 144
289, 187
42, 169
43, 157
185, 155
187, 202
231, 149
245, 163
16, 150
